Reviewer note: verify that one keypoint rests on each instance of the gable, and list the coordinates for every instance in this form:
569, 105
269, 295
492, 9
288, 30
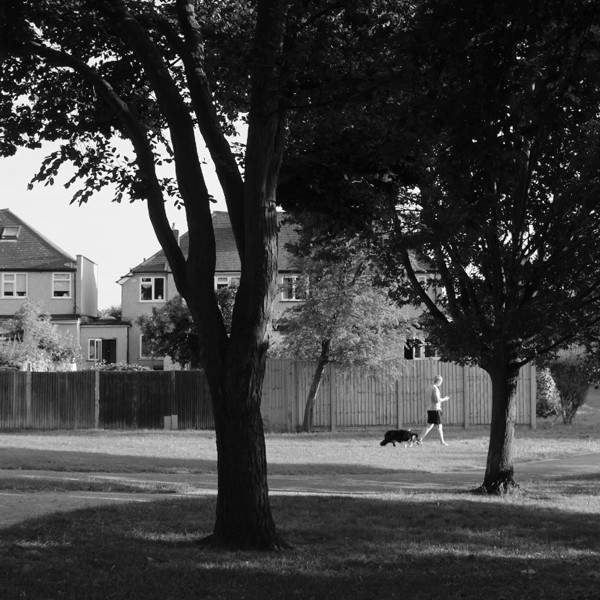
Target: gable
22, 248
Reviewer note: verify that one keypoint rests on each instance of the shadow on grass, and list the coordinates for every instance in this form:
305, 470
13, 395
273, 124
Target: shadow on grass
66, 460
78, 462
441, 546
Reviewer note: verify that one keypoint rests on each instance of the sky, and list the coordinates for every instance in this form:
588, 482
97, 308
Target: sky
115, 236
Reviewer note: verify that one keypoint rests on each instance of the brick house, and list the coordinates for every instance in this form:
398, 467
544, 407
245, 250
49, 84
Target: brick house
34, 269
151, 284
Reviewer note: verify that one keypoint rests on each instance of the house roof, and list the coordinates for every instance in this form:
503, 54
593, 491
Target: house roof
227, 255
30, 250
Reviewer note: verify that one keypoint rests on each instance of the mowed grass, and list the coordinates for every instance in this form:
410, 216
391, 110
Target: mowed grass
539, 543
314, 453
422, 546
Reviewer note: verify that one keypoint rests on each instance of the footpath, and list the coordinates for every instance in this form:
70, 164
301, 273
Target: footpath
17, 506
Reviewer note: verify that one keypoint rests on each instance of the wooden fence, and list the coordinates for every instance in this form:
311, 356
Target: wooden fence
181, 400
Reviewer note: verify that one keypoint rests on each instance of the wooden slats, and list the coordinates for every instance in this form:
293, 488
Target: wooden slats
347, 399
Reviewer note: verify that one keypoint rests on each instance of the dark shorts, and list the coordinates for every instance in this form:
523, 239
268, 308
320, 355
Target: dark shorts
434, 417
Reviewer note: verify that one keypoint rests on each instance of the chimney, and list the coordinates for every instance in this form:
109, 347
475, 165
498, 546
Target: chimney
175, 233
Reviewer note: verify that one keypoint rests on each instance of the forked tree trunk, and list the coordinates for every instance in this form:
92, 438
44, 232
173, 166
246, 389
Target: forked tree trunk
315, 385
499, 472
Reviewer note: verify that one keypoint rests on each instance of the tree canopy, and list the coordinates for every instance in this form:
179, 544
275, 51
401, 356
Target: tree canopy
487, 165
344, 318
162, 75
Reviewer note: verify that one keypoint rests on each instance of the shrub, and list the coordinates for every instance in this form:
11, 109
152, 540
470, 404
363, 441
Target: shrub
548, 398
120, 366
572, 375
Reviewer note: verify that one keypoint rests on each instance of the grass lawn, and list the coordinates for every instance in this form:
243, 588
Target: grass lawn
540, 543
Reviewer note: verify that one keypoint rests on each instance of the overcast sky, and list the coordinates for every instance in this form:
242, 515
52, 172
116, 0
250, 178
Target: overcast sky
114, 236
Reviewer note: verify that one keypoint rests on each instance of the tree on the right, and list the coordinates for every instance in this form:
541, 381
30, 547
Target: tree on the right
505, 193
478, 150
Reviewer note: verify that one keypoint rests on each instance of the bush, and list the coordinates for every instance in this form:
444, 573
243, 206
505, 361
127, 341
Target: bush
120, 366
548, 398
572, 375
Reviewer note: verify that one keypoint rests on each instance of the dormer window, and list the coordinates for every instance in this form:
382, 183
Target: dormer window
10, 232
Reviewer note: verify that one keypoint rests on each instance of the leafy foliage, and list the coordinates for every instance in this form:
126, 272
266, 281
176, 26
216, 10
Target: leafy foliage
31, 337
342, 307
573, 374
120, 367
547, 396
170, 331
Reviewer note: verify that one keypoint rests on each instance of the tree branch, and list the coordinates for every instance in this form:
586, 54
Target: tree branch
137, 134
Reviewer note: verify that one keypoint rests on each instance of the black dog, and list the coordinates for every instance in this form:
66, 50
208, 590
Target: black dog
403, 436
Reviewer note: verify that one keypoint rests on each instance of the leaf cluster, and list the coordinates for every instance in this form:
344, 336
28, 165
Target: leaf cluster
30, 336
345, 312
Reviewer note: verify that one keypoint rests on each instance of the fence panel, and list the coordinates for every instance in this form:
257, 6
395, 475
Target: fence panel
191, 402
62, 400
353, 399
118, 400
13, 400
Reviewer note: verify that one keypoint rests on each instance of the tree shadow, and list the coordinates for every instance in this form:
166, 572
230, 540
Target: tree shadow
351, 548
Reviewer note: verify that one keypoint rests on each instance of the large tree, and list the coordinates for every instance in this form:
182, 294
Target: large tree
494, 176
508, 193
160, 75
344, 318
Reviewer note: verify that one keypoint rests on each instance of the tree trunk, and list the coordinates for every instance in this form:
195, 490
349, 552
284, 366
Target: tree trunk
243, 516
499, 473
315, 385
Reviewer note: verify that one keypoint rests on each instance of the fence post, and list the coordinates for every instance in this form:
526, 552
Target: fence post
28, 395
97, 399
398, 406
332, 399
466, 399
532, 394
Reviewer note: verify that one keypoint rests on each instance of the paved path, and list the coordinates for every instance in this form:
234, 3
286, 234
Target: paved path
16, 506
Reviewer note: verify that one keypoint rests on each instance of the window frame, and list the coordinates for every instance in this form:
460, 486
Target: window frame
141, 349
293, 288
5, 235
97, 342
55, 280
153, 279
419, 350
224, 281
5, 280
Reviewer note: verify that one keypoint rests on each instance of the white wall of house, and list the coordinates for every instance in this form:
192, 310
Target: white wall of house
86, 287
139, 294
40, 288
104, 334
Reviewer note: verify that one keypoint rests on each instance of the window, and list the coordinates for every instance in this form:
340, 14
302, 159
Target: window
10, 232
152, 289
95, 350
415, 349
61, 285
223, 282
289, 288
145, 350
14, 285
